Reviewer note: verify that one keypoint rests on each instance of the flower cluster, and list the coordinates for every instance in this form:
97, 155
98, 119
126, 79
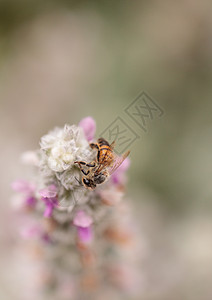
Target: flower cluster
87, 238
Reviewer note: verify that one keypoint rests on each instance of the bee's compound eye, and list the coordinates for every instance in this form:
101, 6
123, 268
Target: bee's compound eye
86, 181
89, 183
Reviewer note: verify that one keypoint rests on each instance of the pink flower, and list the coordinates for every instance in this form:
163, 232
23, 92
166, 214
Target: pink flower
30, 232
111, 196
49, 192
49, 197
27, 189
31, 201
34, 231
81, 219
83, 223
118, 176
23, 186
89, 127
85, 234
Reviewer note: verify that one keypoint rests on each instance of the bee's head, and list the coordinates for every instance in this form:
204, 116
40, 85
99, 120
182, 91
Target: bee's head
88, 183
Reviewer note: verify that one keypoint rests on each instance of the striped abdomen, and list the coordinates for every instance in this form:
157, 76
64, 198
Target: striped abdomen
105, 153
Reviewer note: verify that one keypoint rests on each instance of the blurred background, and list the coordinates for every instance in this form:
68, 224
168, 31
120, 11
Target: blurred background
64, 60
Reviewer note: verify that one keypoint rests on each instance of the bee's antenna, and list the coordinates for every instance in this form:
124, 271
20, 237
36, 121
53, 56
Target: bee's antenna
80, 183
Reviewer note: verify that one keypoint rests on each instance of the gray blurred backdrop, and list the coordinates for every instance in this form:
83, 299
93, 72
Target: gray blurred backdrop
64, 60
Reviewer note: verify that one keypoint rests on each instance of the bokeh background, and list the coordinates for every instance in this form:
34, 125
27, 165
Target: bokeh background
64, 60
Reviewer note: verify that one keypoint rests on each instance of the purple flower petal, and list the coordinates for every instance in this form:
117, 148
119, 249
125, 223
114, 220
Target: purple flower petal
30, 232
89, 127
50, 203
117, 176
49, 192
23, 186
31, 201
45, 237
81, 219
85, 234
48, 211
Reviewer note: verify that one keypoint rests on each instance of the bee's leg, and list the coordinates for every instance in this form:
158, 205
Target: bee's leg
94, 146
91, 165
80, 183
82, 170
80, 163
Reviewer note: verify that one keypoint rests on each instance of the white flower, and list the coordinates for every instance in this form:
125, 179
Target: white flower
64, 146
82, 232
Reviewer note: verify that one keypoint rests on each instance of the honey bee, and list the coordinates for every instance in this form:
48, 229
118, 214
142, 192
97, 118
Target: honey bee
99, 170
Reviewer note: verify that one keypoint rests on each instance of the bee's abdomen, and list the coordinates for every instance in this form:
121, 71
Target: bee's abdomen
102, 142
104, 154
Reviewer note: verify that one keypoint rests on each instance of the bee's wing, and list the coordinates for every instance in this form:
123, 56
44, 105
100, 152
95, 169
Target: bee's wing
103, 165
112, 145
117, 162
104, 162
